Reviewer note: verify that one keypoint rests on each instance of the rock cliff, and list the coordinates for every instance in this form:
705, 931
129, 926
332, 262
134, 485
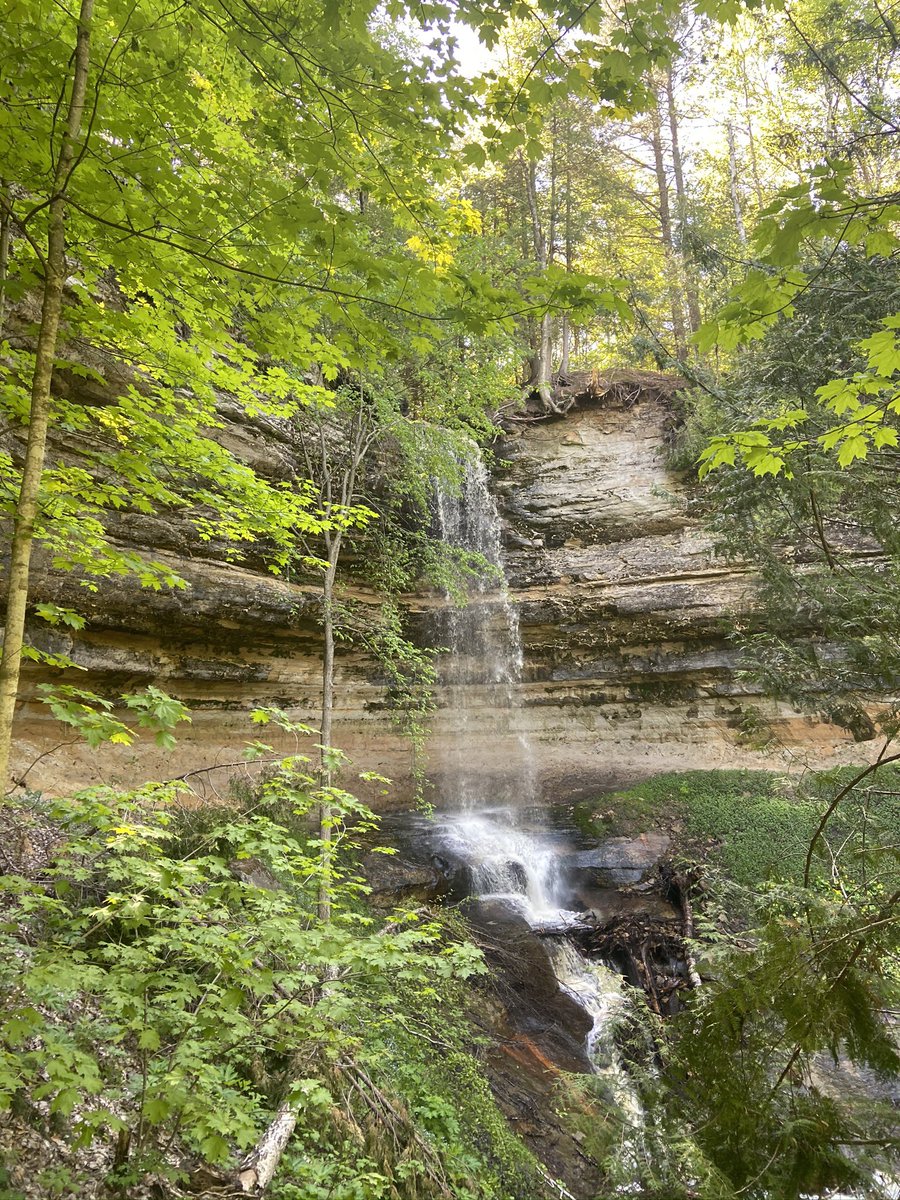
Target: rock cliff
626, 612
625, 615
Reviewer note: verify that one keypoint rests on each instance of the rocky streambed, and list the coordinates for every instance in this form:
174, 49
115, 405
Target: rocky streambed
565, 922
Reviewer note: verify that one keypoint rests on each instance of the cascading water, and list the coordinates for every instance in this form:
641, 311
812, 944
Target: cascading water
485, 826
491, 826
483, 669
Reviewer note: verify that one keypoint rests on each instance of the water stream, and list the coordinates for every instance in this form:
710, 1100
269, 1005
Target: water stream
483, 669
492, 826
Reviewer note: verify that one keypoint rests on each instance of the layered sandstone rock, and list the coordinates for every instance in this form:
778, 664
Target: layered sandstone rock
625, 613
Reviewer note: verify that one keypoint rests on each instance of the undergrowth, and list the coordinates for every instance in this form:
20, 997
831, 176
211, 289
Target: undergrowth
774, 1078
754, 825
167, 985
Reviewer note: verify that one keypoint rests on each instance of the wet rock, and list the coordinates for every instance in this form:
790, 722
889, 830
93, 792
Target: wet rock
395, 879
604, 904
254, 872
619, 861
517, 874
527, 986
456, 875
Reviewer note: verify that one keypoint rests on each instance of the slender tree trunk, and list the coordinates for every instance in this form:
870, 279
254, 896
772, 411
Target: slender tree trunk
754, 165
552, 215
541, 364
5, 248
39, 417
665, 227
681, 206
360, 440
566, 323
325, 732
733, 188
542, 361
552, 221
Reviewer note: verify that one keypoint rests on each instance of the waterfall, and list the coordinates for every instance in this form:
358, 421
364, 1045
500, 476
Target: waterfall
494, 828
487, 825
482, 676
483, 669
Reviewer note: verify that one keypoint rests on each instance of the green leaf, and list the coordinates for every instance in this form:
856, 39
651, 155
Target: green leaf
881, 242
214, 1148
852, 448
474, 154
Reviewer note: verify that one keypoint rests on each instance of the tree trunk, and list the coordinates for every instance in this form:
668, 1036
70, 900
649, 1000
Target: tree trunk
258, 1168
681, 206
733, 188
542, 362
334, 551
541, 359
665, 227
687, 929
566, 323
360, 438
39, 417
754, 165
5, 248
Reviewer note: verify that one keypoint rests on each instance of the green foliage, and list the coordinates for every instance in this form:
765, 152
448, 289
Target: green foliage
410, 677
91, 715
174, 981
751, 1060
750, 824
755, 826
771, 1081
188, 305
824, 634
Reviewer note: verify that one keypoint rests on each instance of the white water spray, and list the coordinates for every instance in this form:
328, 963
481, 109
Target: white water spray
483, 670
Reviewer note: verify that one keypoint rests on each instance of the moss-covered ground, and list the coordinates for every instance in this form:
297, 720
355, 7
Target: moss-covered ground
755, 825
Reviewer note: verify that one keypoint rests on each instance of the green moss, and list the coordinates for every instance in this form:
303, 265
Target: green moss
756, 825
756, 835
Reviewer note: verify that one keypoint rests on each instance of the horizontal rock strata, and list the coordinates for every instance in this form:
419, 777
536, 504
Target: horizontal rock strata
626, 616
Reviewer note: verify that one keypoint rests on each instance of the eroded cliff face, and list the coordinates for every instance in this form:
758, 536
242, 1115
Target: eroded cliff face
626, 612
625, 616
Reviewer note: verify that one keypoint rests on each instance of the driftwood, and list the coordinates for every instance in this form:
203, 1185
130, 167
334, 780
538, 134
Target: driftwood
687, 929
649, 954
678, 884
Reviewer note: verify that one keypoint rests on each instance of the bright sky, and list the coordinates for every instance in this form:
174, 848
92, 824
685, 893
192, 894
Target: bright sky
474, 58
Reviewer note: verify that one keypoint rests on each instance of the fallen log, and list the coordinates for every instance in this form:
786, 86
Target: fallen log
258, 1169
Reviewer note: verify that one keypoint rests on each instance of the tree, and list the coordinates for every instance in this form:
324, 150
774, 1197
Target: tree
801, 434
26, 509
233, 215
153, 256
336, 446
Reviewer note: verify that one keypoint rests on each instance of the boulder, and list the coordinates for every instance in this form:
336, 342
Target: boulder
394, 879
619, 861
